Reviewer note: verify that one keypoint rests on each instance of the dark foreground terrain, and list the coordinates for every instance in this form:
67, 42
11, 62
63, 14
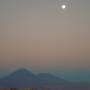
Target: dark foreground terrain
51, 88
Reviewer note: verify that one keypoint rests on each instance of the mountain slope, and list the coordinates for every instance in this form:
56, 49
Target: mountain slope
50, 79
24, 78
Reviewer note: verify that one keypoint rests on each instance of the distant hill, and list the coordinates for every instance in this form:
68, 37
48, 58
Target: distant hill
50, 79
23, 78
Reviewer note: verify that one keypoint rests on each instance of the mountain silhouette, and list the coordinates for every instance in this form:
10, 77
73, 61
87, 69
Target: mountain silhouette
23, 78
50, 79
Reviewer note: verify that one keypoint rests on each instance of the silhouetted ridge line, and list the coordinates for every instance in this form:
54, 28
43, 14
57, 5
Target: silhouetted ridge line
23, 78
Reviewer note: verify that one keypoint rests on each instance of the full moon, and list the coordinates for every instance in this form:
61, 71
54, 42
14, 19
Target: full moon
63, 6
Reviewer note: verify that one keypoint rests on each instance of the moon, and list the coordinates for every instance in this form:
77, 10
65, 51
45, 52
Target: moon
63, 6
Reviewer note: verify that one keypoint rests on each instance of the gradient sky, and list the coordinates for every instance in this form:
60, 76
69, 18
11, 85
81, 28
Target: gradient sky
37, 34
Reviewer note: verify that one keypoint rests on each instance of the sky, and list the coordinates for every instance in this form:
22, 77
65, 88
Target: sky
39, 35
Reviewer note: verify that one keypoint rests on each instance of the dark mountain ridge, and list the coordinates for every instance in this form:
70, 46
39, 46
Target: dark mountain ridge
24, 78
